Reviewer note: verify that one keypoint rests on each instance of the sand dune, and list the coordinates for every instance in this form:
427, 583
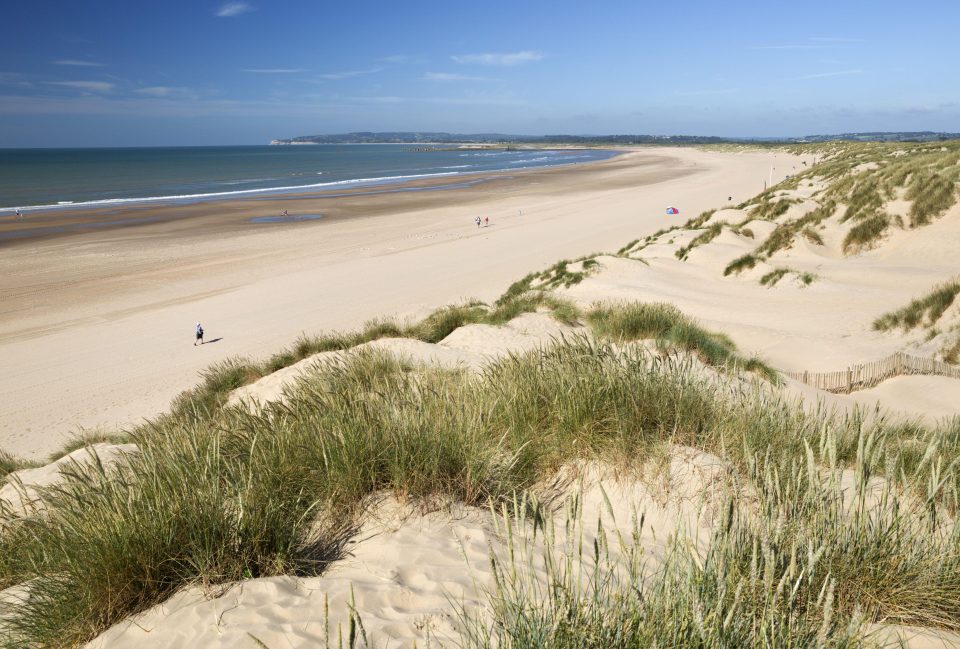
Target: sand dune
405, 569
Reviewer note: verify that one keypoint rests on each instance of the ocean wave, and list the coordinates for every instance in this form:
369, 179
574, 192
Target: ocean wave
527, 163
239, 192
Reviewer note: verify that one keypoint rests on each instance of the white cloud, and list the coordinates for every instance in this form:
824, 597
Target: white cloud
823, 75
507, 59
98, 86
334, 76
229, 9
274, 70
451, 76
75, 62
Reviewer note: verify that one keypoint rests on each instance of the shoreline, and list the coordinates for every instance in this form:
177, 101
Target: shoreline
104, 319
189, 199
66, 220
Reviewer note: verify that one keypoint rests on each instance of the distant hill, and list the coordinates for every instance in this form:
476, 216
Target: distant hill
428, 137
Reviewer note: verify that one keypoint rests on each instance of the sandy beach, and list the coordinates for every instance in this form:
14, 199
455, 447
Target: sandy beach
96, 327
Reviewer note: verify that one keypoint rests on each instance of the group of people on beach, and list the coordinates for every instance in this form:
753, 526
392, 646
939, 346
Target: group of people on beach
486, 221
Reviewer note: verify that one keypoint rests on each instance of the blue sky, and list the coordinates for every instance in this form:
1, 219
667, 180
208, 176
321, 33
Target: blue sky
122, 73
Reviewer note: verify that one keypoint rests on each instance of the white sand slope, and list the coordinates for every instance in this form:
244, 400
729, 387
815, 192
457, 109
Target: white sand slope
404, 569
469, 347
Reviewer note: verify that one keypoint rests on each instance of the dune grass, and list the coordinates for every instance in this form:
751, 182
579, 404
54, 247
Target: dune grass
932, 193
774, 276
10, 463
559, 275
924, 311
222, 378
807, 568
740, 264
226, 494
770, 210
703, 238
672, 330
866, 233
812, 235
864, 200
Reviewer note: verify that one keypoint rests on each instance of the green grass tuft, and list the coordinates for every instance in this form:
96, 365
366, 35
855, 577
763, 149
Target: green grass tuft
866, 233
932, 194
741, 264
10, 464
672, 330
925, 311
774, 276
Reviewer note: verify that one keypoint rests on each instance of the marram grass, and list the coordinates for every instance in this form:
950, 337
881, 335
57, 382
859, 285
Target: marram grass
219, 495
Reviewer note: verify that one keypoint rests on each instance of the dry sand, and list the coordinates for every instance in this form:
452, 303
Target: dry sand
96, 328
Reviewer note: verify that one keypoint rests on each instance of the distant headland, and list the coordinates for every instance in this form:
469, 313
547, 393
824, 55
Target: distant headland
418, 137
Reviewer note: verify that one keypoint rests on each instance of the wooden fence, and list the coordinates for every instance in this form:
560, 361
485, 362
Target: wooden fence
861, 377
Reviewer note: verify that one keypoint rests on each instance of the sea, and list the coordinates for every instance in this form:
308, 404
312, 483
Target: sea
44, 179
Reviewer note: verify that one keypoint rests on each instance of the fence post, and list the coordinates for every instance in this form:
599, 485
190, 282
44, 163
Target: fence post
849, 380
806, 377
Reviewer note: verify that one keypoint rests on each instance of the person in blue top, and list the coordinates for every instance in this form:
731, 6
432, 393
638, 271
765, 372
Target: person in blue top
199, 335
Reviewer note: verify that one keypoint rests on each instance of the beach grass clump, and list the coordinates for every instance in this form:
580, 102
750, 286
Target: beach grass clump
866, 233
924, 311
864, 200
807, 278
627, 249
559, 275
770, 210
774, 276
740, 264
812, 235
705, 237
699, 221
444, 321
951, 352
605, 596
672, 330
10, 463
216, 383
770, 279
932, 193
87, 439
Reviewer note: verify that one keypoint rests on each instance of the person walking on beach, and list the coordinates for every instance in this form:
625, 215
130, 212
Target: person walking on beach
486, 222
19, 213
477, 221
199, 335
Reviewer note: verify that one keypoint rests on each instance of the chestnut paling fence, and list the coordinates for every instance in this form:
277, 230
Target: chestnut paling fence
867, 375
